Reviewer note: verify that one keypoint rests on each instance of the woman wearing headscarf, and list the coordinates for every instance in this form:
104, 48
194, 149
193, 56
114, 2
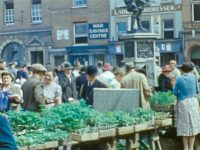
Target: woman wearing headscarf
186, 89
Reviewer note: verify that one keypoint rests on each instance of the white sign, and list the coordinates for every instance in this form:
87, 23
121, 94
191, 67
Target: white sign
150, 69
168, 47
62, 34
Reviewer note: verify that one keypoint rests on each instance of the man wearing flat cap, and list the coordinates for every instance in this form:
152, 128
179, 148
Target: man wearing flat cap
32, 96
68, 83
136, 80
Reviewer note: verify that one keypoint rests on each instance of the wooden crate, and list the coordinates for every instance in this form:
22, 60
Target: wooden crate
46, 145
141, 127
107, 133
125, 130
164, 122
85, 137
23, 148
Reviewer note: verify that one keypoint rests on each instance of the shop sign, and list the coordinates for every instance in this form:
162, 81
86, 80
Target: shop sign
151, 9
98, 31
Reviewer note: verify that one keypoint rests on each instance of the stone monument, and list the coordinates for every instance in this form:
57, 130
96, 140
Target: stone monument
139, 43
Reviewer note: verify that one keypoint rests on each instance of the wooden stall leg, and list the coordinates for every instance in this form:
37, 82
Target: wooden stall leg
111, 144
132, 142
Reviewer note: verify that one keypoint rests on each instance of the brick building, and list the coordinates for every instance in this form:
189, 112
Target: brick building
53, 31
191, 25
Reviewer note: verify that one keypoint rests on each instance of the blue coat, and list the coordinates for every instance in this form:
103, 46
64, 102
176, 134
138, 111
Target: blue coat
7, 141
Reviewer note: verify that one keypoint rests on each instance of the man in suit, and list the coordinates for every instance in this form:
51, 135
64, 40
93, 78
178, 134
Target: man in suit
68, 83
90, 84
32, 97
7, 141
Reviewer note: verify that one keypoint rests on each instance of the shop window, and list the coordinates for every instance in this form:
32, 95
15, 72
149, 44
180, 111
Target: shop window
9, 13
81, 33
196, 15
79, 3
36, 11
168, 28
146, 25
121, 27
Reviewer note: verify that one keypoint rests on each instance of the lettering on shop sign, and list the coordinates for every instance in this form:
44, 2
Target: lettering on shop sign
152, 9
98, 31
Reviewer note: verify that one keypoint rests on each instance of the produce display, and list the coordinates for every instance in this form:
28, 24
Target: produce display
31, 128
163, 101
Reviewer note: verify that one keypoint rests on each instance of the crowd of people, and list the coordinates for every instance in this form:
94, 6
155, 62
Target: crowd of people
30, 87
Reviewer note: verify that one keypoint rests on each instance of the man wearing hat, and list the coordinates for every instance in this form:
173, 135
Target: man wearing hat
67, 83
90, 84
136, 80
22, 74
32, 96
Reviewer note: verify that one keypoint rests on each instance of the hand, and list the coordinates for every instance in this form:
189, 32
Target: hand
57, 101
15, 97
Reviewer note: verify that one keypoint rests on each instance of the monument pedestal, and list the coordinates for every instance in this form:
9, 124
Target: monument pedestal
139, 47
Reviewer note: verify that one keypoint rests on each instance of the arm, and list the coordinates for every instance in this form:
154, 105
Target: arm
38, 93
175, 89
147, 89
7, 140
58, 96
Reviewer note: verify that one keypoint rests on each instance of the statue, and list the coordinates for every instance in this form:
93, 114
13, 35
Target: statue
136, 7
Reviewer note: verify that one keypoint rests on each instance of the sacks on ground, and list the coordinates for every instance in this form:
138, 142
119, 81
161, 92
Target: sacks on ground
109, 80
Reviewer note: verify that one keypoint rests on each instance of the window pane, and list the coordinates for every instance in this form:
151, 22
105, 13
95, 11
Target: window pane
196, 12
81, 29
79, 2
168, 34
81, 40
36, 2
146, 24
9, 5
121, 27
36, 13
9, 12
168, 24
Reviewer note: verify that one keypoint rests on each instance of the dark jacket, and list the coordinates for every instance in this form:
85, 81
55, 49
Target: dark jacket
79, 82
31, 102
22, 74
7, 141
164, 84
68, 88
87, 91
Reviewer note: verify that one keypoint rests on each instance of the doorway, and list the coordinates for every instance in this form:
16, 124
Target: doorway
195, 56
13, 52
37, 57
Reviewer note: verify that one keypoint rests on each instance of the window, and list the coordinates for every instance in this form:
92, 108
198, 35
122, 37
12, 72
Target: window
9, 13
121, 27
166, 1
36, 11
146, 25
79, 3
196, 8
81, 33
168, 28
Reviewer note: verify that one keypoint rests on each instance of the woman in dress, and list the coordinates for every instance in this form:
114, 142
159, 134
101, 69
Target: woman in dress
186, 89
47, 92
